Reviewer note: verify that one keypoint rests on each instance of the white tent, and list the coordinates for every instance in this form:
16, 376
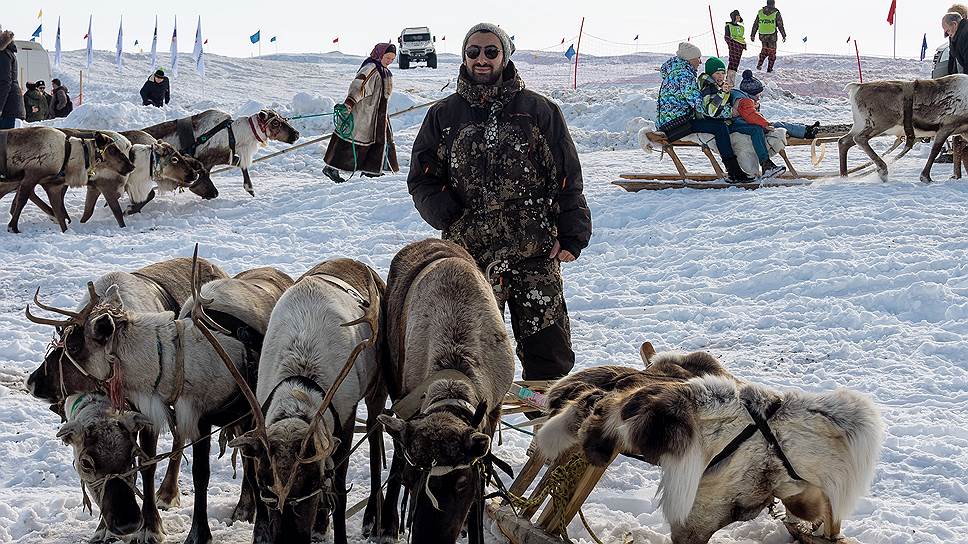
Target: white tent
33, 63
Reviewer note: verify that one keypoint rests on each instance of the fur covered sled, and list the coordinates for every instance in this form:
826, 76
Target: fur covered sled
728, 449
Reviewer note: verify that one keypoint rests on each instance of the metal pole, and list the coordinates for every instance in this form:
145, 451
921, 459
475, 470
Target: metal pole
859, 72
580, 30
80, 96
713, 27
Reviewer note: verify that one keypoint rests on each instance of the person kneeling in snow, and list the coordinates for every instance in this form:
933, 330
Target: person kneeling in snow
719, 103
156, 91
679, 110
746, 109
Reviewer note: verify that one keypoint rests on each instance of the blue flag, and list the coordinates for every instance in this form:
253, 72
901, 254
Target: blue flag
255, 37
924, 47
571, 52
272, 39
37, 32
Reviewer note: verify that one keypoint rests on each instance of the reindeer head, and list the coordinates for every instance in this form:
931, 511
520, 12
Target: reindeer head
441, 449
85, 337
292, 465
169, 164
203, 185
276, 127
105, 444
112, 156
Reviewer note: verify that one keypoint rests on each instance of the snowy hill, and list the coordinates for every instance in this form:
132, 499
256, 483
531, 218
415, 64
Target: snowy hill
845, 283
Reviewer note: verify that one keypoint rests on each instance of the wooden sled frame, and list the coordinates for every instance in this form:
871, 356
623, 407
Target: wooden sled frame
792, 177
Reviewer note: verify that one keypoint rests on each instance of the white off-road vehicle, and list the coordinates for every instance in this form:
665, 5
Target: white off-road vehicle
416, 44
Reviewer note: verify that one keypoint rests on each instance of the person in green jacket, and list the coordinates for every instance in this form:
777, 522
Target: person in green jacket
35, 102
768, 22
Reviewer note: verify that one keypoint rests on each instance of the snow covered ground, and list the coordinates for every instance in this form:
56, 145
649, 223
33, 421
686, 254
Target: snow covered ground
845, 283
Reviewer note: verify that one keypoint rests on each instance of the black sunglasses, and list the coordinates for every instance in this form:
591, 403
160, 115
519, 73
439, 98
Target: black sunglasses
474, 51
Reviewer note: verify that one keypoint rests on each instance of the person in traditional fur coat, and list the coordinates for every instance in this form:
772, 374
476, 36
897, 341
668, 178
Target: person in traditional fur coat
370, 150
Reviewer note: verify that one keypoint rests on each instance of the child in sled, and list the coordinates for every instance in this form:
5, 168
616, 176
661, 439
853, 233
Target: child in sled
719, 103
746, 109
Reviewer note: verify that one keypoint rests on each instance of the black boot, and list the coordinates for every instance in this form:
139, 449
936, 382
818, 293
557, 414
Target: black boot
770, 169
736, 174
812, 131
333, 174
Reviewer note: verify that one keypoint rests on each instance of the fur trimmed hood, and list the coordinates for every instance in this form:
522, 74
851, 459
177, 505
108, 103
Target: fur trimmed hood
6, 38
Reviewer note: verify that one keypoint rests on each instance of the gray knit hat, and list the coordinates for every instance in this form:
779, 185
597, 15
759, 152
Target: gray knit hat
688, 51
506, 44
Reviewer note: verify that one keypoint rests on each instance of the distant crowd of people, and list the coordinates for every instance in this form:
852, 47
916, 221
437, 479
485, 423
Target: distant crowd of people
767, 25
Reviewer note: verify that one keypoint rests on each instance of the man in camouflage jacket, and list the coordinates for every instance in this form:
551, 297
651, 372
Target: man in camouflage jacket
495, 169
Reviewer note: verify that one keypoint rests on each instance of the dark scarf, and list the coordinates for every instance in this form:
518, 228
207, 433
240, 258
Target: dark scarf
376, 58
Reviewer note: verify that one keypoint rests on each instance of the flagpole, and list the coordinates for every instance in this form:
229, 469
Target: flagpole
713, 27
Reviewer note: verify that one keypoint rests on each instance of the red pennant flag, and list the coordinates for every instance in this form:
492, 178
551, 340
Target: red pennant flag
848, 39
205, 42
336, 39
562, 40
85, 37
892, 12
444, 39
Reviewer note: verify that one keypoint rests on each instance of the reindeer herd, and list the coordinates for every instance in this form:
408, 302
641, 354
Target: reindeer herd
170, 156
280, 367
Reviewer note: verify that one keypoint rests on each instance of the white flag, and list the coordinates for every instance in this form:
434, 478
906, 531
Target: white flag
198, 54
57, 47
154, 47
90, 43
174, 48
117, 56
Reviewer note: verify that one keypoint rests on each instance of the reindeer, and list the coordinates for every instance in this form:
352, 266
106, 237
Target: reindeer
159, 287
728, 448
451, 364
913, 109
214, 138
161, 363
304, 407
141, 190
105, 444
47, 157
153, 162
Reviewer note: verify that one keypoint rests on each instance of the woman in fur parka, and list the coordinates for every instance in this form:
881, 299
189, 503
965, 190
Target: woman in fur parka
370, 149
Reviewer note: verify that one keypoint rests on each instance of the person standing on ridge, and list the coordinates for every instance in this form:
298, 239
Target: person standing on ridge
736, 42
768, 22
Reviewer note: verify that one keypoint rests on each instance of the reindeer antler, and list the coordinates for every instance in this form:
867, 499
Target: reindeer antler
73, 317
43, 306
202, 321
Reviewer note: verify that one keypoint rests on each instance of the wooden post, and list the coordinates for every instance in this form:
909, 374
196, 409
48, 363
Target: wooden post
80, 94
713, 27
577, 51
859, 72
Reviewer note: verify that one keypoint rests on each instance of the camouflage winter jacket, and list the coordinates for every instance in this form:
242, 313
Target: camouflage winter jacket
495, 168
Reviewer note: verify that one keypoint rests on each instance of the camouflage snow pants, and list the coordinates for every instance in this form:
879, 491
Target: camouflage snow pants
533, 292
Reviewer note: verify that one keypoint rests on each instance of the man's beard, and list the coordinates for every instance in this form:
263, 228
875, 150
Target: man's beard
485, 79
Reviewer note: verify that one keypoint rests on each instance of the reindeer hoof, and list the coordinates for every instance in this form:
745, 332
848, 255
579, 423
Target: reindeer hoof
14, 230
926, 179
166, 502
148, 536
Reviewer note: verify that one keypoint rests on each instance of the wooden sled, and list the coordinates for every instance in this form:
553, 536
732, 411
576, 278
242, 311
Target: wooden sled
689, 180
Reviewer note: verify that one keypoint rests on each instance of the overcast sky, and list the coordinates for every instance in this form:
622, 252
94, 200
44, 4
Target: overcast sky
311, 26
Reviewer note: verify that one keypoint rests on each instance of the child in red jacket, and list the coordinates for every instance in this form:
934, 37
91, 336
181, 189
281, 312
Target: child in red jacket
746, 108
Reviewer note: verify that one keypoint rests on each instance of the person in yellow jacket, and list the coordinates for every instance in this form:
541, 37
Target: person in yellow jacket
768, 22
736, 43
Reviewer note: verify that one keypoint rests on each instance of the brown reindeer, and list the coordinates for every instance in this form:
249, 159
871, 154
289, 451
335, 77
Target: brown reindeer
47, 157
451, 364
912, 109
141, 191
